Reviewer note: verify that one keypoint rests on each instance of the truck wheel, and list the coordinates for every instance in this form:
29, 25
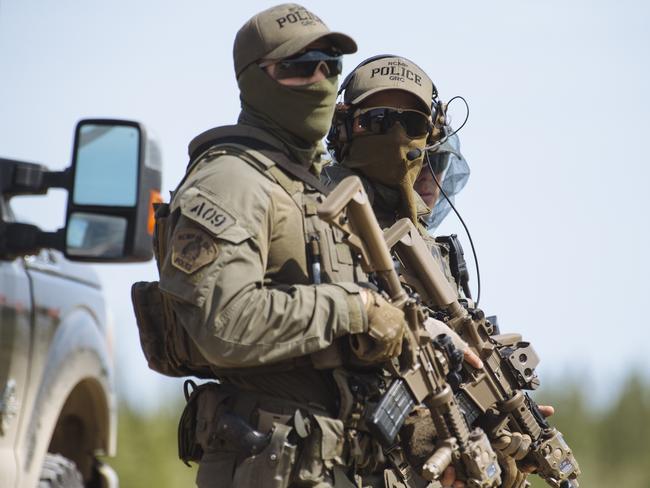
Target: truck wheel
59, 472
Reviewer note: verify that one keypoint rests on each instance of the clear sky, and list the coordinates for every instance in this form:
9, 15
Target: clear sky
557, 139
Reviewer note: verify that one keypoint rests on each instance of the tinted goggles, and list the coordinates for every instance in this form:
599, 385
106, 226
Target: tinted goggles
304, 65
380, 119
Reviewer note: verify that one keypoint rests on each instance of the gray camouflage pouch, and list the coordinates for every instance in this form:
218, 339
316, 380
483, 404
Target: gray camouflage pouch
150, 316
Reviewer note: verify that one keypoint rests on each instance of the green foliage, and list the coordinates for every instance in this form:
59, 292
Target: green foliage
612, 445
147, 450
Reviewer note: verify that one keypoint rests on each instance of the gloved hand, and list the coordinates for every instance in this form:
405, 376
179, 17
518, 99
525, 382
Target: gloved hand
515, 444
386, 326
516, 447
512, 444
511, 447
511, 475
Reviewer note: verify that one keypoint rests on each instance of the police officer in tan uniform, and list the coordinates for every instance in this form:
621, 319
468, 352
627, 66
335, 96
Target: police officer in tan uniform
266, 290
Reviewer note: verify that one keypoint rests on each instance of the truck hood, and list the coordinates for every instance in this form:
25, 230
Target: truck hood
53, 262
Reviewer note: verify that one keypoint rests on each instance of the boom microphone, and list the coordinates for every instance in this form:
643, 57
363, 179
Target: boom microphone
413, 154
417, 152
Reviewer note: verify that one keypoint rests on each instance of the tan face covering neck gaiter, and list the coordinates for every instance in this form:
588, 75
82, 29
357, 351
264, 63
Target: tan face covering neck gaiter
382, 158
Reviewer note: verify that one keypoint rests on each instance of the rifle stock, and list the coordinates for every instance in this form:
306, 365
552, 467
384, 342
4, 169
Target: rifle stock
350, 196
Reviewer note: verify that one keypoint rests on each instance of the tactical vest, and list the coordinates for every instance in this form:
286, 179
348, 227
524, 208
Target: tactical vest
168, 347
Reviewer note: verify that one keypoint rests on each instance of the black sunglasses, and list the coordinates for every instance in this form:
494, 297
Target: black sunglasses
304, 65
379, 119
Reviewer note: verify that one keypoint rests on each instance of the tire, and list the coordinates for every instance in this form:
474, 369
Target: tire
59, 472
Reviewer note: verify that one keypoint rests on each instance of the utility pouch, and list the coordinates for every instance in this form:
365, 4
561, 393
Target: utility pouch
320, 451
272, 467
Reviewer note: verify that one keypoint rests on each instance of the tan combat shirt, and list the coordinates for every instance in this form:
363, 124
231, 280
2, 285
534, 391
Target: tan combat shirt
238, 270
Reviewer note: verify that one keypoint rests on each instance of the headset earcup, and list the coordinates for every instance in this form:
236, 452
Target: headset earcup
340, 131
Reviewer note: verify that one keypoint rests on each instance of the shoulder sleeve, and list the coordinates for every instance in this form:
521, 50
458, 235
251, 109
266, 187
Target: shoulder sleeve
215, 269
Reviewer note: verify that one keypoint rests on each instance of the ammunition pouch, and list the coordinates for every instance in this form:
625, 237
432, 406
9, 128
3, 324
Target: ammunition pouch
320, 451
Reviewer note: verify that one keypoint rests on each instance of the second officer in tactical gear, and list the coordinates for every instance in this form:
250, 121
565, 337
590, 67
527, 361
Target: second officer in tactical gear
266, 291
378, 132
390, 113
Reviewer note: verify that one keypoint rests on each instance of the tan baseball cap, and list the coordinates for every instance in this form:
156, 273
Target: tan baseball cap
283, 31
388, 73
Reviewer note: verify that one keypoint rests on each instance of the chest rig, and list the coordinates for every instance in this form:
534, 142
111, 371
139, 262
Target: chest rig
327, 258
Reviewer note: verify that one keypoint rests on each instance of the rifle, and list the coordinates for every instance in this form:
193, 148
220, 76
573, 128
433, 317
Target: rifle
491, 398
420, 373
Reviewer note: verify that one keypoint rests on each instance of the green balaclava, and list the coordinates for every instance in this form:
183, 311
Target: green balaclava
382, 159
303, 113
299, 115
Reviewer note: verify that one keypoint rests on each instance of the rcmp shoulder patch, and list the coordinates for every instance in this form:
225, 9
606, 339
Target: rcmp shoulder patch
192, 248
198, 207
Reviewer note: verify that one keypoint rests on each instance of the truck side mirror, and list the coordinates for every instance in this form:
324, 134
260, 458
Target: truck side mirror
115, 180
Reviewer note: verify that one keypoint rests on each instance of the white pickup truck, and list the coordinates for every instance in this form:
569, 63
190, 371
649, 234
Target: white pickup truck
57, 397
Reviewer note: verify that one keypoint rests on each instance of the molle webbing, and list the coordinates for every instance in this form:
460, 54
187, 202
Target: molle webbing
281, 159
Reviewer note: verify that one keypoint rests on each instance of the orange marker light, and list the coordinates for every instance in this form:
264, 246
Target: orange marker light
154, 197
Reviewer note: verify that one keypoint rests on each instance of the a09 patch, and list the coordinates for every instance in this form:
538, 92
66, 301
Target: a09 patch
202, 210
192, 248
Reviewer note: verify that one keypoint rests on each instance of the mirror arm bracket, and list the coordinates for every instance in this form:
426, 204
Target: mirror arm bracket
22, 178
58, 179
18, 239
